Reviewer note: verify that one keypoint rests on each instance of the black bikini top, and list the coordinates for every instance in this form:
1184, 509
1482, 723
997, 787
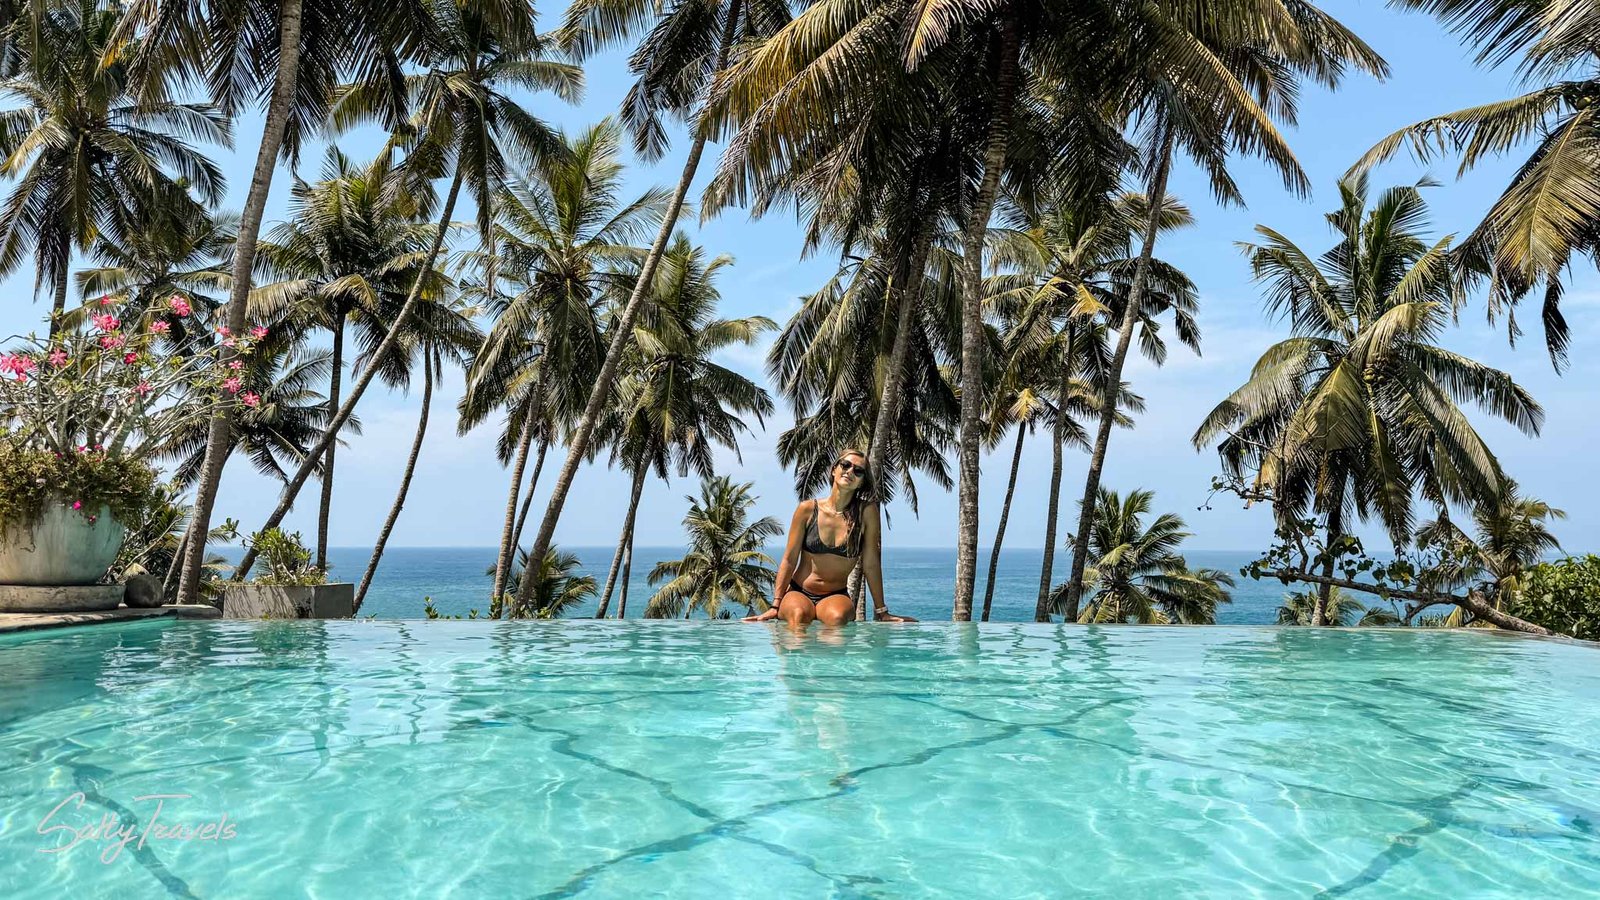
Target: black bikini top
814, 543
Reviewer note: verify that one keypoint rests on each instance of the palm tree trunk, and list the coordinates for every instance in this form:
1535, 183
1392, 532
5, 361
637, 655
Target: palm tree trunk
972, 331
1319, 610
626, 538
507, 532
578, 445
327, 459
627, 572
1005, 513
909, 291
244, 256
405, 485
1113, 382
1058, 435
368, 372
527, 501
58, 302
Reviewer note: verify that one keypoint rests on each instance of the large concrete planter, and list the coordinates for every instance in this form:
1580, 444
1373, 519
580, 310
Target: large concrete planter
266, 601
64, 551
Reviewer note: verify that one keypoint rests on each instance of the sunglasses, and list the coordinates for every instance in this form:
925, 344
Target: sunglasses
847, 466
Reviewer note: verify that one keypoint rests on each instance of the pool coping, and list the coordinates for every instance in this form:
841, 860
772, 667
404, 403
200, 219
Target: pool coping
14, 622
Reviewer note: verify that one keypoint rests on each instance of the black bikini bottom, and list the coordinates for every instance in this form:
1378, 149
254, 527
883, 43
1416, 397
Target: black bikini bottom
795, 586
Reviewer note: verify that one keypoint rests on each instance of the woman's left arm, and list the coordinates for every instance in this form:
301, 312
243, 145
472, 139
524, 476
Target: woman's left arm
872, 566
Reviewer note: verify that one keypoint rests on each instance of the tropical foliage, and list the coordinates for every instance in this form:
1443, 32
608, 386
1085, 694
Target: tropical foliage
726, 562
1563, 596
1137, 575
989, 182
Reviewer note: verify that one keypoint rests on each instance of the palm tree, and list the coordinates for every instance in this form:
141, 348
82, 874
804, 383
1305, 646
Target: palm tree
1207, 91
1551, 209
564, 239
442, 332
1138, 576
675, 402
1511, 536
349, 252
1339, 609
557, 591
300, 47
284, 421
682, 50
462, 123
1070, 287
1357, 412
725, 562
89, 155
178, 253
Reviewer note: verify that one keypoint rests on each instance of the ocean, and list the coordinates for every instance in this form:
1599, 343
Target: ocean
917, 579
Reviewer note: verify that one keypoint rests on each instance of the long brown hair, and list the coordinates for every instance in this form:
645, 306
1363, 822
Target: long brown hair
858, 500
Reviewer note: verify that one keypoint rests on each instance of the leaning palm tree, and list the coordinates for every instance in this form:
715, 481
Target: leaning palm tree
1138, 576
1358, 413
564, 239
347, 254
725, 562
675, 403
1550, 211
462, 125
89, 155
443, 333
289, 53
1206, 85
685, 44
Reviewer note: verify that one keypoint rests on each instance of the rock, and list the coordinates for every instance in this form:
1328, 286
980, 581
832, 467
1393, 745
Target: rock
144, 592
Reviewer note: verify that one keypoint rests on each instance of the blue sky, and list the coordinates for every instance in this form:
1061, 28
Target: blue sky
458, 497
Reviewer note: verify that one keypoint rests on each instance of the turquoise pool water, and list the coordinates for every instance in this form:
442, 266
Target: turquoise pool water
432, 759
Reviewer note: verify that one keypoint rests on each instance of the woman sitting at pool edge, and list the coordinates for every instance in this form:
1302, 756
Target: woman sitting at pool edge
826, 538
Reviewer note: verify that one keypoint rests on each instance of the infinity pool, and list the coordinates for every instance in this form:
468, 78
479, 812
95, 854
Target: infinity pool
393, 759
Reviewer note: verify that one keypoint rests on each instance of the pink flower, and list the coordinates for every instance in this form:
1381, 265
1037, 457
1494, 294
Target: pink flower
159, 327
99, 446
223, 330
105, 299
235, 364
130, 358
57, 357
77, 504
179, 305
106, 322
228, 342
251, 399
111, 342
258, 332
17, 364
232, 385
144, 387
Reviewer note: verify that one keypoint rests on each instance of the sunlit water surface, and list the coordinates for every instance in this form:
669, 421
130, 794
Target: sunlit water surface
395, 759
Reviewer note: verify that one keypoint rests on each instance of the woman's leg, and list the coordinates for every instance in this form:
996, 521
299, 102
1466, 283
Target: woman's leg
836, 609
797, 609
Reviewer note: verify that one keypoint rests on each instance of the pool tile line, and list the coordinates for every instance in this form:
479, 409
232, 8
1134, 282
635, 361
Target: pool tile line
87, 779
843, 784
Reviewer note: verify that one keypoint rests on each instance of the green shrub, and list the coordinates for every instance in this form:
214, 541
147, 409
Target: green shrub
1563, 596
87, 480
287, 561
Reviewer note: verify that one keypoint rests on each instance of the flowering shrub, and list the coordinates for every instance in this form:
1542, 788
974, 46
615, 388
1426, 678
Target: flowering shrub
287, 561
87, 412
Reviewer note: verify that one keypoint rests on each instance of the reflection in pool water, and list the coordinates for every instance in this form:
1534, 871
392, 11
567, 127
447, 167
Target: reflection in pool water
621, 759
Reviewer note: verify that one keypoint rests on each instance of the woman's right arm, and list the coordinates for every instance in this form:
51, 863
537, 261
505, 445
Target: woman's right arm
786, 565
